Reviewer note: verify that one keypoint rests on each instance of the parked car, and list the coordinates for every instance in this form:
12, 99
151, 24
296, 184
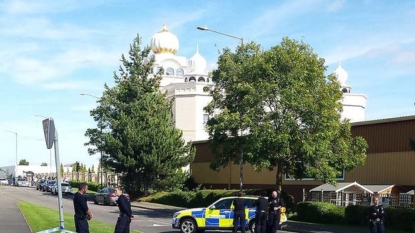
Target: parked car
3, 181
200, 219
66, 188
22, 182
47, 187
39, 184
107, 196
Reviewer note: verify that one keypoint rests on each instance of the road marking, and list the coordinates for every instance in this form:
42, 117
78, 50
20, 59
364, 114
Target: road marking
158, 225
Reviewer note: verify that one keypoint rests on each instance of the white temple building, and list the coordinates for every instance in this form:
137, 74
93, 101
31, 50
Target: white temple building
354, 105
184, 80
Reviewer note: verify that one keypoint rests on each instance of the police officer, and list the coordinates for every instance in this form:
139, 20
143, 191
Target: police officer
261, 213
275, 205
82, 212
239, 213
376, 217
124, 220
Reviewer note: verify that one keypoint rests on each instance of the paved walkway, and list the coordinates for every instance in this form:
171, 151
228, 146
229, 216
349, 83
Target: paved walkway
11, 219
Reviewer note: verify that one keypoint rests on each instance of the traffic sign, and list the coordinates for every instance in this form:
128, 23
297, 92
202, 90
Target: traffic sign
49, 131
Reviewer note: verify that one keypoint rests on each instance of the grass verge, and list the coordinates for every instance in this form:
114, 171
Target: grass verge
41, 218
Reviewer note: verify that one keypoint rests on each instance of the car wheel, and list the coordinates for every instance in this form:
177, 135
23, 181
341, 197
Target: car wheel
282, 226
187, 225
95, 201
252, 226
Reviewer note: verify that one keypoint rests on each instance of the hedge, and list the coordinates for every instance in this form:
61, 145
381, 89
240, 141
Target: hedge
93, 186
320, 212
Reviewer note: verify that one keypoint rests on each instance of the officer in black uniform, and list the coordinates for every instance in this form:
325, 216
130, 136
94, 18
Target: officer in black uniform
239, 213
82, 212
275, 205
124, 220
376, 216
261, 213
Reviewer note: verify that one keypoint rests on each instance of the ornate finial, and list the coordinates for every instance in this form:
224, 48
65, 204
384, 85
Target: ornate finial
164, 29
340, 63
197, 48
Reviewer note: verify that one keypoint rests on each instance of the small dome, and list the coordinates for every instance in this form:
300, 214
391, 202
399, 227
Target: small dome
197, 62
164, 42
341, 75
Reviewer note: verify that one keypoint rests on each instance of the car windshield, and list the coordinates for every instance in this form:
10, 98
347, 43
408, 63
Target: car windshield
51, 182
21, 179
64, 184
223, 204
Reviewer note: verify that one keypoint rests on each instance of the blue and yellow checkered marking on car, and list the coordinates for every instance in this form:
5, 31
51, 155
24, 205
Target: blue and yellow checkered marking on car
213, 218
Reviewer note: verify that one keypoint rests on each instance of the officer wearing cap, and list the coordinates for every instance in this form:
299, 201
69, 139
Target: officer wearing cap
261, 213
124, 220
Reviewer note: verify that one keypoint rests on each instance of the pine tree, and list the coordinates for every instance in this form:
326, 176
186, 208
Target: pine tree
61, 169
141, 141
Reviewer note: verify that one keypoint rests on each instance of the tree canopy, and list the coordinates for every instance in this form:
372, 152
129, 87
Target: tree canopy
138, 137
24, 162
282, 111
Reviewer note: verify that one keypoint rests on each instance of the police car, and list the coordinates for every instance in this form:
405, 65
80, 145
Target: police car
217, 216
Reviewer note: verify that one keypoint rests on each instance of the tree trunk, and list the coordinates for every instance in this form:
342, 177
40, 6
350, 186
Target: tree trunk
279, 177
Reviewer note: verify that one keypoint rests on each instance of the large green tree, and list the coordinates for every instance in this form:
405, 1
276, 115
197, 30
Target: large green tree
138, 136
24, 162
279, 110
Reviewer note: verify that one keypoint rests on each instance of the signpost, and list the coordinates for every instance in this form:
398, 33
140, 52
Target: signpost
51, 138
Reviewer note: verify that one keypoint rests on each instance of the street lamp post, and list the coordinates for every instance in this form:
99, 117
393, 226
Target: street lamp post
50, 151
204, 28
241, 168
100, 160
15, 167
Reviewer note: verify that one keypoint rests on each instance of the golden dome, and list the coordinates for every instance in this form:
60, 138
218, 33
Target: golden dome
164, 42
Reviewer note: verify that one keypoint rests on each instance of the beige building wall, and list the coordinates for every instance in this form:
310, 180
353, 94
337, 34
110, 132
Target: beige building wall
385, 168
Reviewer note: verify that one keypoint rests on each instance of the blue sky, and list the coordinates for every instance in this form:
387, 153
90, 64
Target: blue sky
51, 51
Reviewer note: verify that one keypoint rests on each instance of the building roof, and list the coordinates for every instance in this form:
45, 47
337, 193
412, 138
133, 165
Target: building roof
379, 188
385, 120
340, 187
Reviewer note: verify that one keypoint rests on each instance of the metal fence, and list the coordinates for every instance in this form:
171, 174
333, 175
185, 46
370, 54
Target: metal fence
401, 200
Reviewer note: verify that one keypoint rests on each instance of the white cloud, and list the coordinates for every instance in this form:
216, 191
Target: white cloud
280, 13
335, 5
31, 71
65, 85
42, 7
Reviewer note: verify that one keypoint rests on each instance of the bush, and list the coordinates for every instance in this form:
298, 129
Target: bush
93, 186
288, 201
176, 198
190, 184
356, 215
191, 199
320, 212
400, 219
